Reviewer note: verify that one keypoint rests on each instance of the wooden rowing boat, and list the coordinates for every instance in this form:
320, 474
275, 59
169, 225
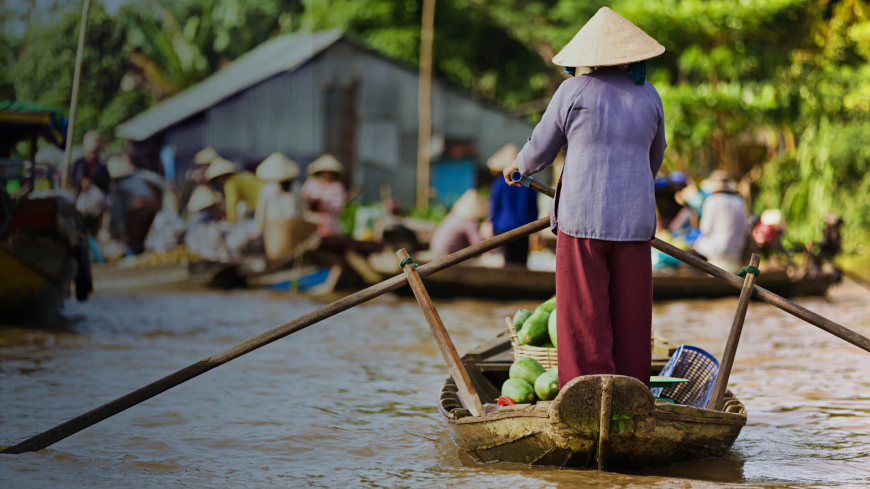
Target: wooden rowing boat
517, 282
40, 258
565, 431
328, 261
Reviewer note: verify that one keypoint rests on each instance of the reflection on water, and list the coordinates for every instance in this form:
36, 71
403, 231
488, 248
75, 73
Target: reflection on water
352, 400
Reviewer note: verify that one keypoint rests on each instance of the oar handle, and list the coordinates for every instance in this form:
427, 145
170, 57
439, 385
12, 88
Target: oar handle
786, 305
533, 184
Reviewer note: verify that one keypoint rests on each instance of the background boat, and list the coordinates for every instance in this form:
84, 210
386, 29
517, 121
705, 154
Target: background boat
516, 282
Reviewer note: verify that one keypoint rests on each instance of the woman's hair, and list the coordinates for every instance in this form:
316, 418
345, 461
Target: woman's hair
286, 185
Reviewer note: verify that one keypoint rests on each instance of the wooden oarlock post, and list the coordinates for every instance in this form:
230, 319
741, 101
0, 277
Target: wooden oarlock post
718, 399
604, 414
467, 392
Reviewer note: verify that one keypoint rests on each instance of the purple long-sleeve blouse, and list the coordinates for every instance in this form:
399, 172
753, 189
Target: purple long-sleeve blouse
615, 133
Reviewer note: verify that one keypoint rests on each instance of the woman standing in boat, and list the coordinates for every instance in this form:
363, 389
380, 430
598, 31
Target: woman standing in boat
604, 215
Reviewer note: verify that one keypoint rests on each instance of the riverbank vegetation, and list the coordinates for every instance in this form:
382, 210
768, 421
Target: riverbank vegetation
775, 91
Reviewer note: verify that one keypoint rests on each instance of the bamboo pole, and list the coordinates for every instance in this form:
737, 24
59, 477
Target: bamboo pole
73, 105
424, 103
718, 399
79, 423
786, 305
467, 392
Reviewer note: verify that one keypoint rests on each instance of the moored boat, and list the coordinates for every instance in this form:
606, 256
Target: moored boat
514, 282
326, 263
566, 431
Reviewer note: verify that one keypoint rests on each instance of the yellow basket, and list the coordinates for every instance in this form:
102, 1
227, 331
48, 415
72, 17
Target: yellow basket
545, 356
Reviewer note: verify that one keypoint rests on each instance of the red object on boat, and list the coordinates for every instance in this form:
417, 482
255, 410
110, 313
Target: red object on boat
505, 401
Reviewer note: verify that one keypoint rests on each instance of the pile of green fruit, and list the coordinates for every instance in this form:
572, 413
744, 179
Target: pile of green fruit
537, 328
530, 381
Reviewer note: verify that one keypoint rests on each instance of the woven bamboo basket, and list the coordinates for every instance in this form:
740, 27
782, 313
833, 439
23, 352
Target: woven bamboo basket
545, 356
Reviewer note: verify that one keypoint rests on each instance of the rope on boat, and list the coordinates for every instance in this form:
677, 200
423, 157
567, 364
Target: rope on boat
748, 269
407, 260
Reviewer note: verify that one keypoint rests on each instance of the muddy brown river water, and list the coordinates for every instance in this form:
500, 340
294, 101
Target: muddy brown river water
352, 401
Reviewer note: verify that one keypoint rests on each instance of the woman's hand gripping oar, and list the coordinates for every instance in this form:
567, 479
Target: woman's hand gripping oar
786, 305
112, 408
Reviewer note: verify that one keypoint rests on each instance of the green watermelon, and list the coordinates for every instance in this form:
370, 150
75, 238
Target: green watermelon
548, 345
548, 306
551, 328
519, 390
528, 369
547, 385
534, 330
520, 318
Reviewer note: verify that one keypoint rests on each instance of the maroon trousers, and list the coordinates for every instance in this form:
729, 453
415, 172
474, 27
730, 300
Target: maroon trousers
604, 307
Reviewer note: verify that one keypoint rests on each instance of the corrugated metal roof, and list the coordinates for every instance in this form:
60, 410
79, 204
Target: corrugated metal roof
284, 53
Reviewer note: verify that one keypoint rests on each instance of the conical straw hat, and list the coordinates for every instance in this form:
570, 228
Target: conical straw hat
326, 162
120, 167
719, 181
608, 39
219, 167
202, 198
471, 206
205, 156
277, 168
503, 158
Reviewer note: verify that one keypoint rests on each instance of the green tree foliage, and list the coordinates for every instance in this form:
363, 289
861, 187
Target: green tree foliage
45, 60
828, 169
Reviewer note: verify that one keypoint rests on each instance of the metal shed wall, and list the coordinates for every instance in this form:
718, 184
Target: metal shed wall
287, 113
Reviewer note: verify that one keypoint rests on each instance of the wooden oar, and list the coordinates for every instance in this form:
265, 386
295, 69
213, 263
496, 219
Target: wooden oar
127, 401
718, 399
786, 305
467, 392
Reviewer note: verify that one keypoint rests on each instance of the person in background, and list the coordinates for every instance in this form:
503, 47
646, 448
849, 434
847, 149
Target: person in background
768, 232
205, 235
324, 194
279, 208
723, 223
612, 121
241, 190
460, 227
196, 175
666, 190
90, 166
135, 202
510, 207
688, 219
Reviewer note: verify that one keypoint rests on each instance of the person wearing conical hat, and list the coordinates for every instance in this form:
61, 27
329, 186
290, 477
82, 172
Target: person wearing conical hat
196, 175
135, 202
240, 190
324, 193
280, 207
723, 226
510, 207
206, 234
461, 226
767, 234
612, 122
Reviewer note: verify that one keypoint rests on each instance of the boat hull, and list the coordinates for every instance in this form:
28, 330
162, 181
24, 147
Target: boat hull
565, 432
